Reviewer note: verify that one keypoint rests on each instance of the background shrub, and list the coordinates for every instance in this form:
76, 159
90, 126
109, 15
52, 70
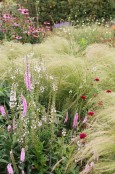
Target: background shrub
55, 10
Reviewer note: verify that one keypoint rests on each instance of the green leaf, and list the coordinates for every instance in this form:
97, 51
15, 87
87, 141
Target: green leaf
3, 161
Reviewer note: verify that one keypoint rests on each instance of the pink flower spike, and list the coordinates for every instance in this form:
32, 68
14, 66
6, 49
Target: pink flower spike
2, 110
92, 164
75, 120
22, 156
9, 128
24, 103
85, 120
87, 169
66, 118
10, 169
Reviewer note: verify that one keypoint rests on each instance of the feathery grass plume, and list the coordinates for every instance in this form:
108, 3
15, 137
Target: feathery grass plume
100, 146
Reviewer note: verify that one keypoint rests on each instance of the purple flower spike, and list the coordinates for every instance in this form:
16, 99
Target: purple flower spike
75, 120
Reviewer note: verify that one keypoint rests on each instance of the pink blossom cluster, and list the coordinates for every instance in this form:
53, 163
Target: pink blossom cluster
88, 167
25, 106
23, 11
10, 169
2, 110
22, 156
75, 120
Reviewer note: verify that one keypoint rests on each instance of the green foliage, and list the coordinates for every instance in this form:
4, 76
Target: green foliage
76, 11
60, 76
81, 11
4, 93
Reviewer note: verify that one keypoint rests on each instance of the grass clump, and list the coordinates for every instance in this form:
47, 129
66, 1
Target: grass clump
58, 105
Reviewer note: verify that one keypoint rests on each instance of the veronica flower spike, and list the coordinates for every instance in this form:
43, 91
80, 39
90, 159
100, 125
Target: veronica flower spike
10, 169
66, 118
22, 156
24, 103
2, 110
75, 120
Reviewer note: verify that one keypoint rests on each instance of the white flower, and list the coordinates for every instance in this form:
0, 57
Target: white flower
39, 123
94, 69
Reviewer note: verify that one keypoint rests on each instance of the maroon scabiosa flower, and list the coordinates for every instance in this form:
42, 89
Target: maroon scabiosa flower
90, 113
100, 103
82, 135
97, 79
83, 97
108, 91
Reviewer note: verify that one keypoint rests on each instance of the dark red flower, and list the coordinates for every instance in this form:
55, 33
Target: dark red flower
82, 135
83, 97
100, 103
84, 126
97, 79
95, 95
90, 113
108, 91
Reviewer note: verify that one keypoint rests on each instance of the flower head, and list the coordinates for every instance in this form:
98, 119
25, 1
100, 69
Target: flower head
22, 156
90, 113
83, 97
6, 16
97, 79
10, 169
100, 103
18, 37
16, 24
23, 11
108, 91
82, 135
